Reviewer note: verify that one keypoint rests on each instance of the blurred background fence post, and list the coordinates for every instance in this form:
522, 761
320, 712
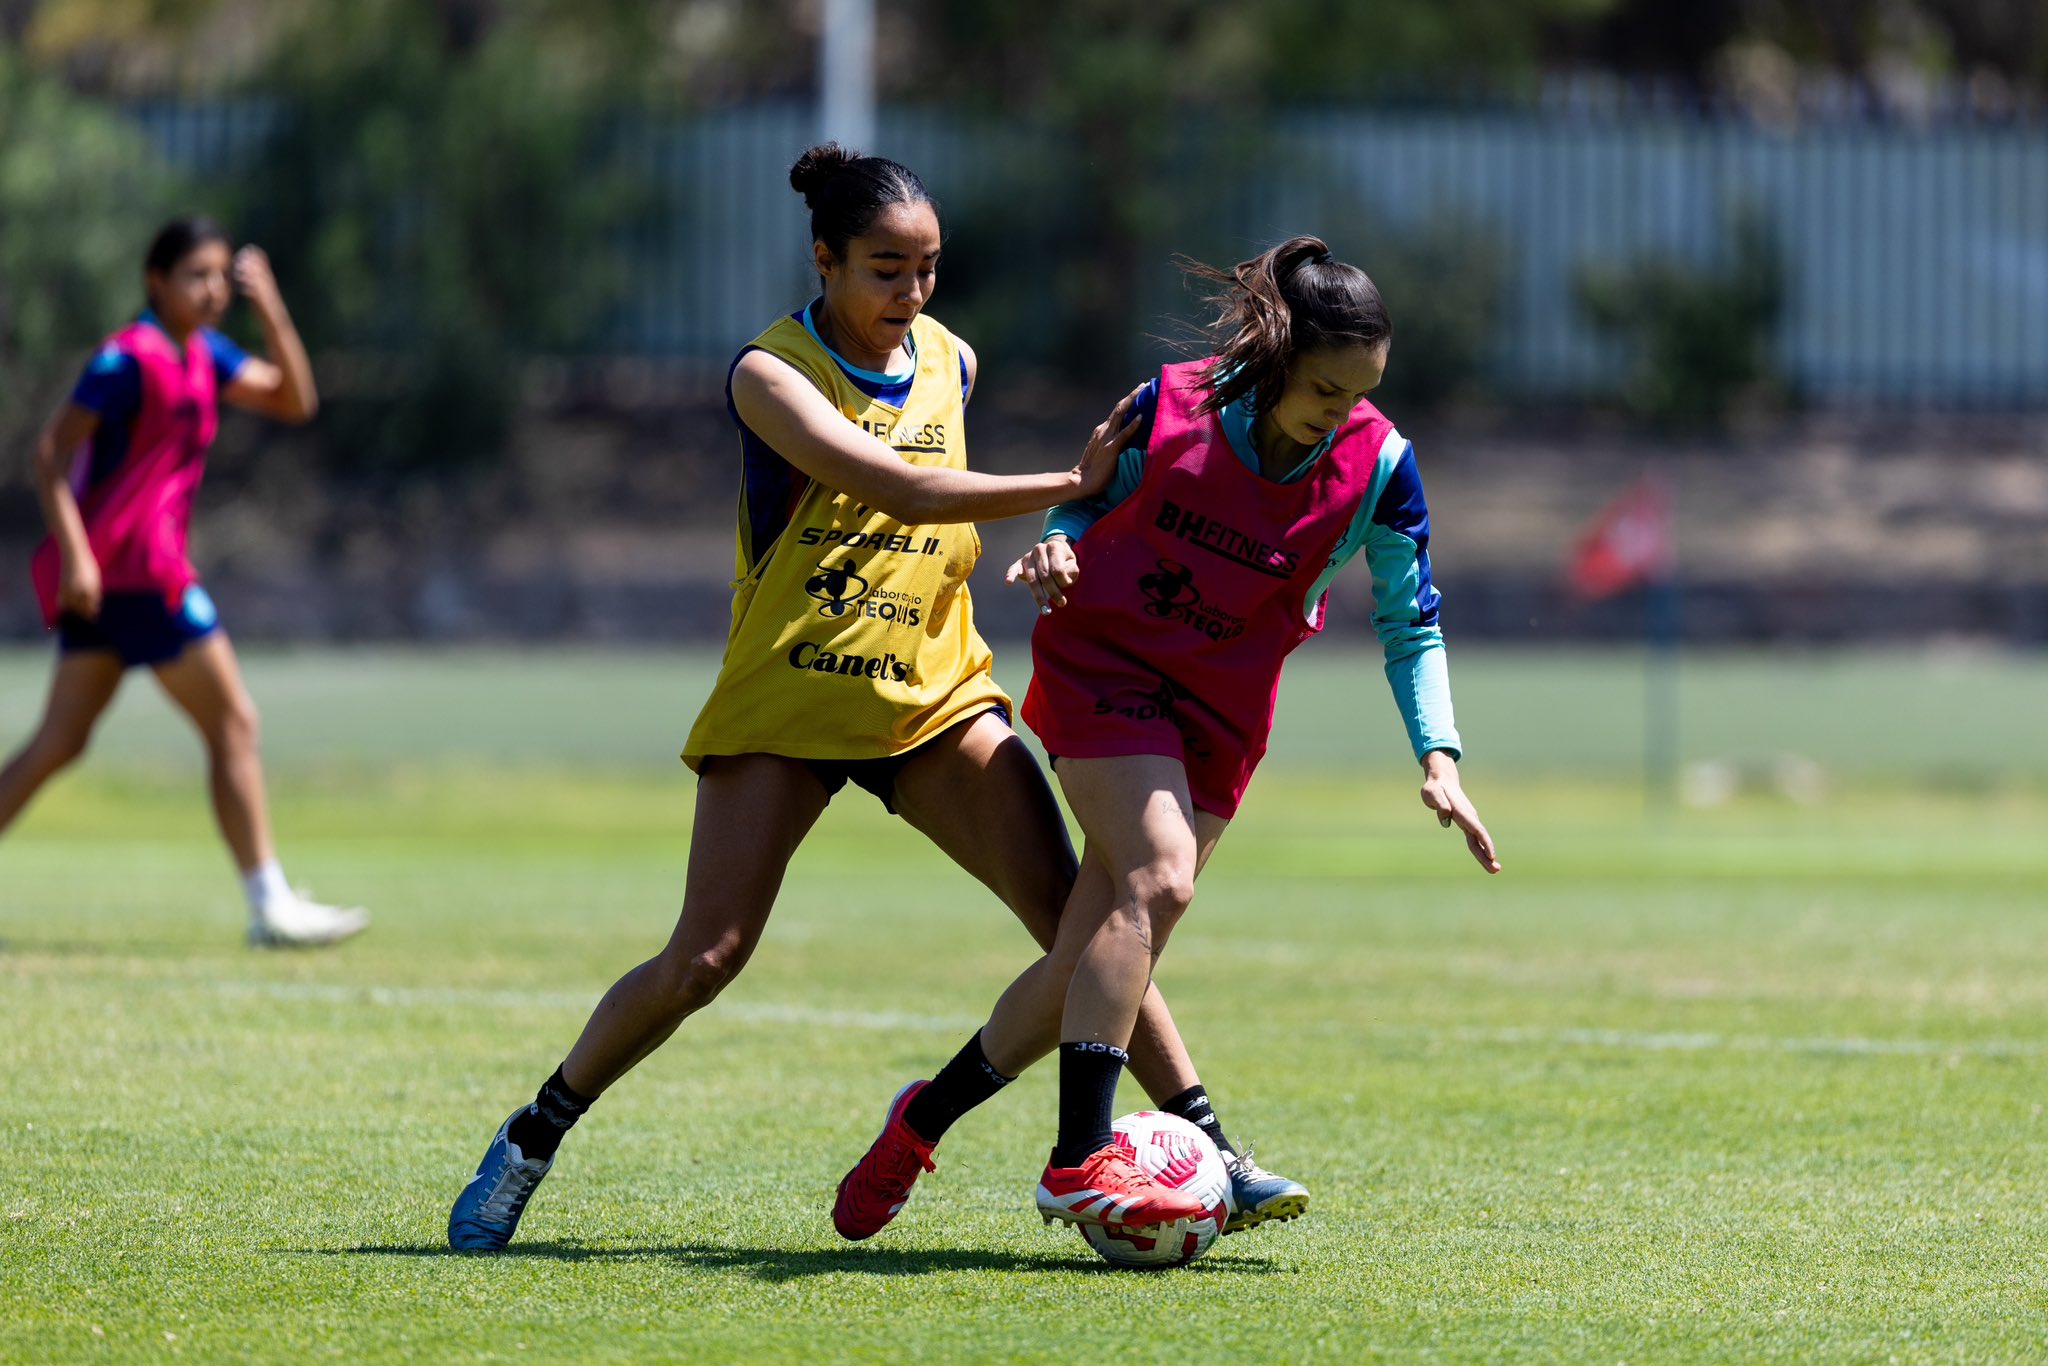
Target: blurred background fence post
846, 73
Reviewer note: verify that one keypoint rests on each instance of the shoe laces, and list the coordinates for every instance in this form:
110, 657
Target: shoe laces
1120, 1163
514, 1187
1247, 1168
896, 1163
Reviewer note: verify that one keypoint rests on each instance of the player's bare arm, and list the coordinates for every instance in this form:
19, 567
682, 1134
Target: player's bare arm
79, 588
281, 385
789, 413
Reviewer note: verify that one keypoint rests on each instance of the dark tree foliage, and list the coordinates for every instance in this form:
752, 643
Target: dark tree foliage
79, 192
439, 209
1701, 337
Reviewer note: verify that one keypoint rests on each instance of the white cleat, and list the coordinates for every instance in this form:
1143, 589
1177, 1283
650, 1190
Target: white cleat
294, 922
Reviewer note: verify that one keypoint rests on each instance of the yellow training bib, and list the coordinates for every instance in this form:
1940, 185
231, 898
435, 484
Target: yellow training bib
852, 634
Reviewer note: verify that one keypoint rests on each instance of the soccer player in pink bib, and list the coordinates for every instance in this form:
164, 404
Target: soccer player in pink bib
1168, 605
117, 468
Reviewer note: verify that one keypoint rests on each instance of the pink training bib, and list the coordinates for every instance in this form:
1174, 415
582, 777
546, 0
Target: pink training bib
1190, 599
137, 517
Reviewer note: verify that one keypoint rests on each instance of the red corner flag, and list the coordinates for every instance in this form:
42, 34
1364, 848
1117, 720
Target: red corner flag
1629, 543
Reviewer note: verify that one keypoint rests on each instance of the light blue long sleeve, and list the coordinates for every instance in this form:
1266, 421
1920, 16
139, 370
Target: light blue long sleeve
1071, 520
1412, 642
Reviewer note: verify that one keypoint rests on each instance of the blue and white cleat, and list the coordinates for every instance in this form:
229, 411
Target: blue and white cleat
1257, 1195
486, 1214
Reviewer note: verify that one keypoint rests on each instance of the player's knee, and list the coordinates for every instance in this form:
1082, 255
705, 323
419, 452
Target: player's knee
694, 981
1041, 903
1163, 889
239, 727
52, 750
1036, 891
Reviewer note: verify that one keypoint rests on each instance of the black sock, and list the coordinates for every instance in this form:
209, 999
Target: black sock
538, 1129
1193, 1106
961, 1085
1088, 1073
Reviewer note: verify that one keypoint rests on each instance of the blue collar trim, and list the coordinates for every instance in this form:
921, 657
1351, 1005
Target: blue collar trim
871, 376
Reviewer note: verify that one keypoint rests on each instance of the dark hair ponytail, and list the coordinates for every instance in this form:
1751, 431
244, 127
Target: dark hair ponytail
845, 190
1292, 298
179, 238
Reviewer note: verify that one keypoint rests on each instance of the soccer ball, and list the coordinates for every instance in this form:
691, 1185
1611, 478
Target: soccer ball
1176, 1154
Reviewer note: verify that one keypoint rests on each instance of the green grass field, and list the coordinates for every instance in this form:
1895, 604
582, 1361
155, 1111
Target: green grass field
1760, 1082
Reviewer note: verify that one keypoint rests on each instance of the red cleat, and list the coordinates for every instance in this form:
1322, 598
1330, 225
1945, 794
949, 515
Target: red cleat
880, 1182
1110, 1188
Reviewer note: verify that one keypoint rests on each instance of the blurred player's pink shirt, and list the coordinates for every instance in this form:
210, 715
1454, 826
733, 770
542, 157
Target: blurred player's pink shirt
136, 478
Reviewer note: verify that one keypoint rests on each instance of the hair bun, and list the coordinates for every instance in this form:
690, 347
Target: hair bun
1297, 252
816, 166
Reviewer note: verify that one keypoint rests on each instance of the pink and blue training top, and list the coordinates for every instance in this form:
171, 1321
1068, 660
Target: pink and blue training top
159, 407
1384, 515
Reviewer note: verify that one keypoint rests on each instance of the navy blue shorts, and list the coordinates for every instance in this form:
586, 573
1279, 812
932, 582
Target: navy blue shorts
877, 775
139, 628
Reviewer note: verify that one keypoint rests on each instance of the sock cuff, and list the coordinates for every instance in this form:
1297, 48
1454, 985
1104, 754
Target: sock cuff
1193, 1106
1082, 1048
558, 1098
264, 883
988, 1068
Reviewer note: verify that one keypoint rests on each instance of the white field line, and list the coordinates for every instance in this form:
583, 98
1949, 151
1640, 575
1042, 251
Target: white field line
773, 1012
765, 1012
782, 1012
1753, 1043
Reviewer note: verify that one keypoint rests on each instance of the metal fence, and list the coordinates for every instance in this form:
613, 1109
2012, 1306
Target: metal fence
1916, 260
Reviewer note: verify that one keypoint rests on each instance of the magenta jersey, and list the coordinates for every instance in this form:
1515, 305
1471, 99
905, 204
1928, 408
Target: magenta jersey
136, 478
1190, 599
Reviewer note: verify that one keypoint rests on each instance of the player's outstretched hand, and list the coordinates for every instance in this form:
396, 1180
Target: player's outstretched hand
1105, 444
1445, 795
1048, 569
253, 277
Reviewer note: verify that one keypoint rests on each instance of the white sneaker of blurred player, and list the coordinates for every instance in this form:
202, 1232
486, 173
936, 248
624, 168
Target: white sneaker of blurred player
281, 917
291, 921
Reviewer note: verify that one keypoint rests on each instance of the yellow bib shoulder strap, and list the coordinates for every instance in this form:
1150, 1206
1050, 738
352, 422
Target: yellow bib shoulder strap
789, 341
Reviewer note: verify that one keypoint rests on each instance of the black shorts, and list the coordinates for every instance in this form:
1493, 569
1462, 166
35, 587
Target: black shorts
878, 775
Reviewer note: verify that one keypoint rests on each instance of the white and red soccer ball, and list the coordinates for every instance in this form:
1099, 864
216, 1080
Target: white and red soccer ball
1177, 1154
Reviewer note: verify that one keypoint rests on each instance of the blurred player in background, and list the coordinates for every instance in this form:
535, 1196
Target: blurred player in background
116, 469
1167, 606
852, 657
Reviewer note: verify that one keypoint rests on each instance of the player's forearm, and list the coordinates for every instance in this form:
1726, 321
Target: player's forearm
1069, 519
298, 399
1421, 680
929, 496
1073, 517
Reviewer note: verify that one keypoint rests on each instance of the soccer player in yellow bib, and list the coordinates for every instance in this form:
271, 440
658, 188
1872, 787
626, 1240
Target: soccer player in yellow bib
852, 656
